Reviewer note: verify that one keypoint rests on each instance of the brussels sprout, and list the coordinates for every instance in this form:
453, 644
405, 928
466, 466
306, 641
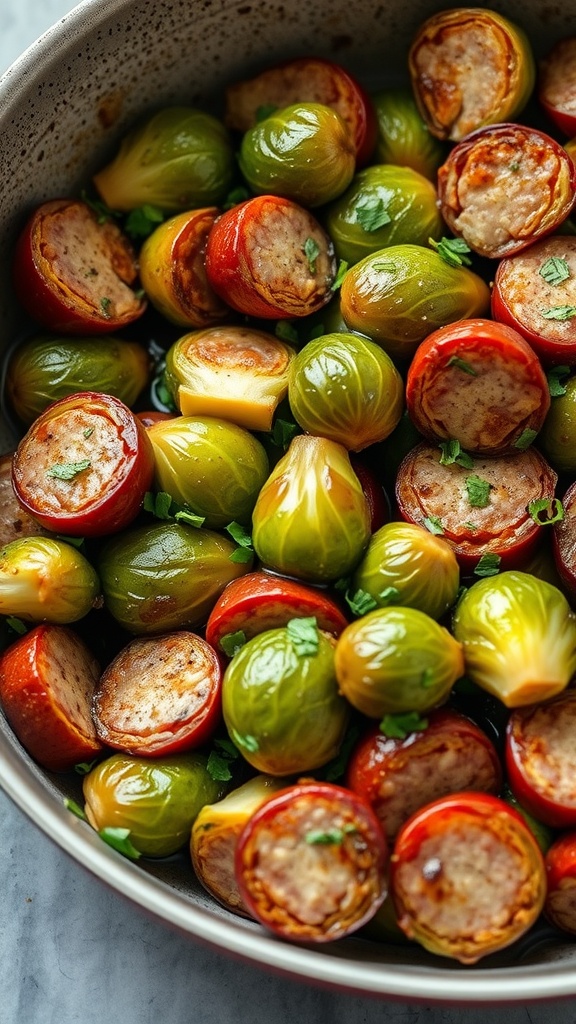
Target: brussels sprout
178, 159
346, 388
399, 295
43, 579
282, 707
311, 519
303, 152
234, 372
384, 205
403, 136
519, 637
394, 660
45, 368
405, 564
214, 467
166, 576
157, 799
557, 438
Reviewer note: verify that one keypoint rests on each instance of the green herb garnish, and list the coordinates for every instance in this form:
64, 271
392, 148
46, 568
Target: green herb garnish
488, 565
371, 213
546, 511
360, 602
452, 250
478, 491
286, 332
401, 725
340, 275
304, 636
283, 431
119, 839
311, 252
461, 364
75, 808
451, 451
239, 533
559, 313
142, 221
68, 470
555, 376
433, 524
525, 440
555, 270
231, 643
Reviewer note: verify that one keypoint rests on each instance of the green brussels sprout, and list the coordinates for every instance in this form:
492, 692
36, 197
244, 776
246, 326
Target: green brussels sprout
395, 660
384, 205
405, 564
178, 159
311, 519
519, 637
166, 575
156, 799
403, 137
557, 438
45, 368
303, 152
214, 467
399, 295
43, 579
346, 388
281, 706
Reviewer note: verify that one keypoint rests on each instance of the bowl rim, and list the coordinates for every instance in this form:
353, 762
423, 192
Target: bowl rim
237, 938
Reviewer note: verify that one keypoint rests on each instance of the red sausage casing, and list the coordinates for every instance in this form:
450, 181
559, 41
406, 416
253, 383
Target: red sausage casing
560, 860
564, 542
556, 86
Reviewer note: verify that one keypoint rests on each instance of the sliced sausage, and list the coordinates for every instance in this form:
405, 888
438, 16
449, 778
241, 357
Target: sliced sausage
47, 679
541, 759
270, 258
467, 876
74, 273
502, 188
535, 293
311, 862
479, 383
557, 85
160, 695
15, 522
480, 510
397, 776
560, 906
564, 542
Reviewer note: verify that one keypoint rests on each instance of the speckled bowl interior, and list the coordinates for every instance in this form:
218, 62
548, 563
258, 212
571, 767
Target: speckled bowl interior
63, 106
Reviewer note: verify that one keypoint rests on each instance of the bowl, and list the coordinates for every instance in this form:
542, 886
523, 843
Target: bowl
63, 106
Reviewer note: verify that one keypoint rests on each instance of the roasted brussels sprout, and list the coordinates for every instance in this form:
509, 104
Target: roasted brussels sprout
395, 660
557, 438
519, 637
212, 466
178, 159
156, 799
405, 564
345, 388
281, 705
45, 368
166, 576
384, 205
403, 136
399, 295
43, 579
303, 152
311, 519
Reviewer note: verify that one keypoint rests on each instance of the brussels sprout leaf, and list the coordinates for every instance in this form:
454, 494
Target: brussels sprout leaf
118, 839
452, 452
75, 808
461, 364
559, 313
488, 565
401, 725
478, 491
217, 767
525, 440
371, 213
16, 625
142, 221
232, 642
546, 511
282, 433
433, 524
68, 470
360, 602
555, 270
340, 275
452, 250
556, 384
249, 743
304, 636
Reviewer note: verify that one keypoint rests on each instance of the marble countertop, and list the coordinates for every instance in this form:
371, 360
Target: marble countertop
70, 950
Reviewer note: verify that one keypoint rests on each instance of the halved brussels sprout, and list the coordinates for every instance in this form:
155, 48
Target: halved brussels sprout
394, 660
281, 706
405, 564
384, 205
156, 799
303, 152
166, 576
214, 467
399, 295
45, 368
403, 136
345, 388
178, 159
519, 637
557, 438
43, 579
311, 519
238, 373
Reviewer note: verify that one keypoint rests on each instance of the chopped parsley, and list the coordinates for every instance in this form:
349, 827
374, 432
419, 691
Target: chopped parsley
452, 250
105, 304
478, 491
546, 511
461, 364
244, 551
219, 759
304, 636
371, 213
360, 602
525, 440
119, 839
556, 383
555, 270
311, 252
16, 625
143, 220
451, 451
75, 808
399, 726
340, 275
433, 524
335, 837
68, 470
559, 313
487, 565
231, 643
161, 506
283, 431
